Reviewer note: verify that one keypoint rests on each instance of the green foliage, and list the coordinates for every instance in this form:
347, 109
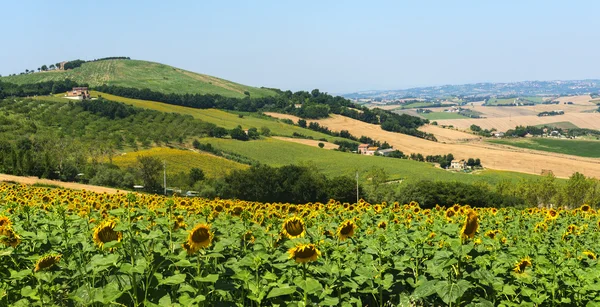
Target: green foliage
290, 183
430, 193
149, 170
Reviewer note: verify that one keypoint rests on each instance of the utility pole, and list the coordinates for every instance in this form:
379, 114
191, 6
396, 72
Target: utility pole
357, 187
165, 175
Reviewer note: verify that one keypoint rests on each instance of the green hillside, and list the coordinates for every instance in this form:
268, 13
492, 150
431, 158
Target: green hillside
143, 74
222, 118
334, 163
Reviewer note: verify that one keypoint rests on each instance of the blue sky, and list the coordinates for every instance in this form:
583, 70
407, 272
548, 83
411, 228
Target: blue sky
336, 46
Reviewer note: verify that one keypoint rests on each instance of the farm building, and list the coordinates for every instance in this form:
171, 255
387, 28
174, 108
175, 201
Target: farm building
371, 151
499, 134
362, 148
386, 152
458, 164
78, 93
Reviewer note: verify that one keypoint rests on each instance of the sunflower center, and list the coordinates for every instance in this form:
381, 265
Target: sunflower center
200, 235
306, 252
347, 229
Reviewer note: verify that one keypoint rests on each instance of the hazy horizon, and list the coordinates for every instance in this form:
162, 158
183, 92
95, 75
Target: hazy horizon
336, 47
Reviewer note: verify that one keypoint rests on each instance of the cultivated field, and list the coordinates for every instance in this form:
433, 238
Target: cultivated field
439, 114
182, 161
581, 120
445, 135
494, 157
326, 145
334, 163
143, 74
148, 250
580, 114
570, 147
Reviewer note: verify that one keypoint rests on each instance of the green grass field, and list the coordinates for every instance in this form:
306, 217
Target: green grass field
143, 74
223, 119
182, 161
506, 101
334, 163
442, 115
570, 147
561, 125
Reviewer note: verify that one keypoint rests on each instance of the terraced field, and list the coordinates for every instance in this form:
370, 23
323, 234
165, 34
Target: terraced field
143, 74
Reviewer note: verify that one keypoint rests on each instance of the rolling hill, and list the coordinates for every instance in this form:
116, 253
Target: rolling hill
143, 74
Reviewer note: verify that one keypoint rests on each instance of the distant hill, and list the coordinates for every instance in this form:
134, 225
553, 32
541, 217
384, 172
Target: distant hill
523, 88
143, 74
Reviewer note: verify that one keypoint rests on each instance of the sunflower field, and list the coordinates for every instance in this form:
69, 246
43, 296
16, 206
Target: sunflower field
77, 248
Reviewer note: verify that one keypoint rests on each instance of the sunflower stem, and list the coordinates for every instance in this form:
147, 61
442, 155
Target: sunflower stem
305, 293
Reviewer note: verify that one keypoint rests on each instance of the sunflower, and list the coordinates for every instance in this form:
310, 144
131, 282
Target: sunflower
522, 265
4, 221
540, 227
585, 208
199, 237
382, 225
304, 253
572, 228
9, 237
105, 232
346, 230
46, 262
492, 233
293, 227
470, 227
450, 213
552, 214
590, 255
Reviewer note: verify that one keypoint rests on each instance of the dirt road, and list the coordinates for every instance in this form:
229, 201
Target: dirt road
68, 185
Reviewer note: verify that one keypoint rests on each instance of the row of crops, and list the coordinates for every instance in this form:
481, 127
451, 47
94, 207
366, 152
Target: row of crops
71, 248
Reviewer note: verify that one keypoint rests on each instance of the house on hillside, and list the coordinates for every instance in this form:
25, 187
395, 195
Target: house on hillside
499, 134
458, 164
79, 93
362, 148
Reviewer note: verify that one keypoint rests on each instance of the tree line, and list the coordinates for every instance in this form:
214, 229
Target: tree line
313, 105
33, 89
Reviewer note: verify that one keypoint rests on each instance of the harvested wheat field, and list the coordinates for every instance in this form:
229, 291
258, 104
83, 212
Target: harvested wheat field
581, 120
492, 156
446, 135
314, 143
581, 100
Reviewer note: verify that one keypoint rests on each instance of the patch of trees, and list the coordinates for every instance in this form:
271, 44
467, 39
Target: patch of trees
107, 108
35, 89
73, 64
444, 160
551, 113
291, 183
483, 132
521, 131
447, 193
